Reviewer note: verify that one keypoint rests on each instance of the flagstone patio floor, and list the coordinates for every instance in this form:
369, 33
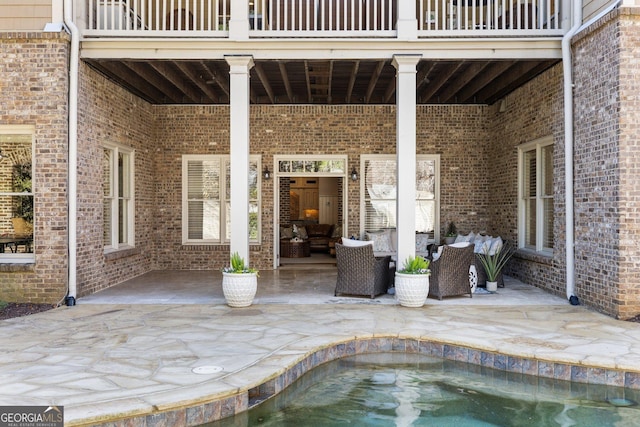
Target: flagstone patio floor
164, 348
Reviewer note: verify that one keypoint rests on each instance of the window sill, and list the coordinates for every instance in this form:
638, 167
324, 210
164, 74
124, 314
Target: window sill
14, 267
533, 256
114, 254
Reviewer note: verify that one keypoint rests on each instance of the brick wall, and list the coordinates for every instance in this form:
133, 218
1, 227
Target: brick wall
533, 111
108, 113
304, 130
606, 166
33, 88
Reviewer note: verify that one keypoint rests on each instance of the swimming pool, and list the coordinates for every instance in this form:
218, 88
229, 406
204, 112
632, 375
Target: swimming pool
400, 389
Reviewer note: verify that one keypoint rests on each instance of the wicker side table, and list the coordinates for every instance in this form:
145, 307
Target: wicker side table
289, 249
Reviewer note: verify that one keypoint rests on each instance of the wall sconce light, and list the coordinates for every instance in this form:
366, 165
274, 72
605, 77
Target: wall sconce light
354, 174
266, 174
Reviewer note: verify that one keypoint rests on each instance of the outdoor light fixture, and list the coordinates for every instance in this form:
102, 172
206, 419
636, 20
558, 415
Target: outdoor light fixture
354, 174
266, 174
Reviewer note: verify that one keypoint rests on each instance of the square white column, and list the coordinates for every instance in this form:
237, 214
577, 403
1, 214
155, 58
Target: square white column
406, 68
239, 20
239, 152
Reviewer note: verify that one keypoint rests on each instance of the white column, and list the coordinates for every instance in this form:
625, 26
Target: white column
239, 152
407, 25
406, 66
239, 21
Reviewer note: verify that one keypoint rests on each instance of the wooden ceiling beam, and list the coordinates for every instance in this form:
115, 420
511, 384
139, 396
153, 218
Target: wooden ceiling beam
491, 72
450, 93
148, 73
124, 75
176, 79
197, 80
373, 81
519, 81
308, 81
265, 82
501, 85
352, 81
434, 85
287, 82
214, 78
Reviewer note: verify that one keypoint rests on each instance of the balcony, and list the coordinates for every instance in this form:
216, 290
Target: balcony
321, 51
320, 18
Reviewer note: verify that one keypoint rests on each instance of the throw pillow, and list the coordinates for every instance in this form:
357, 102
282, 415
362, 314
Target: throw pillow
302, 233
286, 232
422, 241
496, 245
356, 243
337, 232
380, 239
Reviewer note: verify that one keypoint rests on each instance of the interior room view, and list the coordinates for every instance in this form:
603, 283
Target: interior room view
310, 219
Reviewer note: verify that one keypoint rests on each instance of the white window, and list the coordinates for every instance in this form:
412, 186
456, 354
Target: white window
16, 194
535, 195
206, 199
379, 193
118, 206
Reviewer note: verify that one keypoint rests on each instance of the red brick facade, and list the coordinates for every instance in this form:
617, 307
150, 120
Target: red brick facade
477, 145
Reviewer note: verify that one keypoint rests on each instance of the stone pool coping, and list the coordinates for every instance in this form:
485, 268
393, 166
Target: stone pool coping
245, 399
132, 365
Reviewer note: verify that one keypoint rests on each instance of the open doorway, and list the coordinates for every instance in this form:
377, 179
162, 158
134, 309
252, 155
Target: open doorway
310, 199
310, 219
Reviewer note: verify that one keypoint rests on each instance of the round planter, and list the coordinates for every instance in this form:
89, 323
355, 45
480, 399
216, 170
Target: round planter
492, 286
412, 289
449, 240
239, 289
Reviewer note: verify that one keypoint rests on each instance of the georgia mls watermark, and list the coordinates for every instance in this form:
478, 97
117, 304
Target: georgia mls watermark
31, 416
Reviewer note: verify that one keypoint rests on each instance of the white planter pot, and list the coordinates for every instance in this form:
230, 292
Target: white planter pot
412, 289
492, 286
239, 289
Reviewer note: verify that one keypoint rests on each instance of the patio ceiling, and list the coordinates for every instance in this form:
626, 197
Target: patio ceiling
320, 81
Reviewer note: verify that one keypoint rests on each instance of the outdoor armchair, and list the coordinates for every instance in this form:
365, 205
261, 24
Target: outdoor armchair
360, 272
450, 272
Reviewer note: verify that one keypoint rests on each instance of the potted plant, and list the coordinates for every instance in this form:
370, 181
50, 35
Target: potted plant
452, 233
239, 282
412, 282
493, 265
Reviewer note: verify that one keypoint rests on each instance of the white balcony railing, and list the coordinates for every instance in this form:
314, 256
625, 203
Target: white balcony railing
488, 16
321, 18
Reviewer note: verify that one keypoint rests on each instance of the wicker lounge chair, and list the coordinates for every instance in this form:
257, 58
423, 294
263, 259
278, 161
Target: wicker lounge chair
450, 272
360, 272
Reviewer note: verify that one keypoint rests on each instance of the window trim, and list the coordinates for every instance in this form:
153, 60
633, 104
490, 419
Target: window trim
115, 244
224, 162
23, 258
419, 157
537, 145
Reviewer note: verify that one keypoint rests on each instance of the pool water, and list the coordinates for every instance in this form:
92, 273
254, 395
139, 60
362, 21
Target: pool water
394, 389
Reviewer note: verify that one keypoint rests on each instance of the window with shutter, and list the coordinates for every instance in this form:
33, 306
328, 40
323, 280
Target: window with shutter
535, 218
379, 193
207, 199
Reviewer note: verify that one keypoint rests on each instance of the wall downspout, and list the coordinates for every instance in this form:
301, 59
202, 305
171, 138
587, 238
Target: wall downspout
567, 68
72, 190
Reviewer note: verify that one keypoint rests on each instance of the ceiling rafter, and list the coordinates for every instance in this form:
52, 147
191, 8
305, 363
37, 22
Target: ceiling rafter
373, 81
287, 83
265, 82
331, 81
175, 79
352, 80
197, 79
434, 85
449, 94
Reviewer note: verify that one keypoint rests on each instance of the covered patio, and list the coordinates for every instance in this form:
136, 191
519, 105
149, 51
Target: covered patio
288, 285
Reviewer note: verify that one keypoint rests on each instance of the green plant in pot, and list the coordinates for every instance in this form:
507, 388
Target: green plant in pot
451, 234
493, 265
412, 282
239, 282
